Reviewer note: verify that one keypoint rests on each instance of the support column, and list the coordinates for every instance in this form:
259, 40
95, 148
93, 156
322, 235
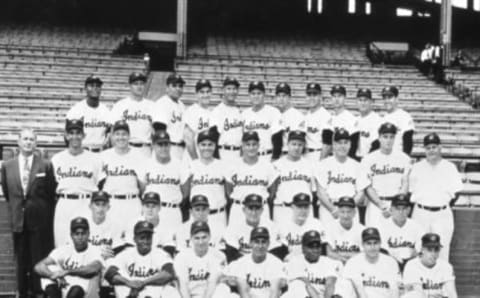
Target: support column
446, 30
182, 7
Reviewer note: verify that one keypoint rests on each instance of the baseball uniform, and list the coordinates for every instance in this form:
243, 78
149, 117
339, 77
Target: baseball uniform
229, 123
401, 242
182, 236
163, 235
368, 127
403, 121
290, 120
198, 118
345, 119
316, 122
346, 241
238, 232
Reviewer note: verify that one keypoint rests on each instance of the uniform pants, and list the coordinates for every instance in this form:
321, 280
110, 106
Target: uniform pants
90, 286
438, 222
171, 217
223, 291
146, 151
229, 155
65, 211
373, 216
313, 157
296, 289
149, 291
218, 219
125, 210
177, 152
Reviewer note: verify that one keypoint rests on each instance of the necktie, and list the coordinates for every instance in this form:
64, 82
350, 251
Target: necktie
26, 174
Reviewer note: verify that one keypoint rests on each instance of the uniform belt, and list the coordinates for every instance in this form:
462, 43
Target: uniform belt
266, 152
169, 205
139, 145
73, 196
430, 208
283, 204
125, 197
215, 211
387, 198
95, 150
237, 202
228, 147
179, 144
313, 150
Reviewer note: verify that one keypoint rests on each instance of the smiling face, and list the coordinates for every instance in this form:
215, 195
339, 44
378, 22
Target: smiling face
143, 242
433, 152
150, 211
80, 238
200, 213
74, 138
257, 97
364, 105
283, 100
230, 93
341, 148
338, 100
162, 150
204, 95
295, 148
250, 148
200, 242
137, 88
386, 141
371, 248
206, 149
120, 138
259, 247
27, 142
312, 251
93, 90
313, 99
175, 90
429, 255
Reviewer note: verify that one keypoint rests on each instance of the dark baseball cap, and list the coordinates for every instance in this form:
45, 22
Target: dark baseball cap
370, 234
391, 90
253, 200
231, 81
283, 88
121, 124
143, 226
160, 137
301, 199
364, 92
313, 87
202, 83
296, 135
431, 240
101, 195
250, 136
175, 79
137, 76
206, 135
387, 127
91, 79
431, 138
71, 124
199, 226
259, 232
338, 89
151, 197
256, 85
79, 223
341, 134
199, 200
311, 236
346, 202
400, 200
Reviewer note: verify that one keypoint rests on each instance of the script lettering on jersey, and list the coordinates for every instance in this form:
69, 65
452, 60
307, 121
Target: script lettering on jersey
244, 245
118, 171
95, 123
399, 242
294, 240
315, 280
136, 116
374, 283
312, 129
176, 117
141, 271
188, 243
73, 172
294, 175
428, 284
248, 180
254, 126
235, 123
199, 275
365, 134
257, 282
98, 240
345, 247
161, 179
386, 169
339, 178
70, 264
206, 179
203, 123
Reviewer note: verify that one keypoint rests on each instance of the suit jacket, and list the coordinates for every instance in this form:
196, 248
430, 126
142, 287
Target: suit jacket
33, 209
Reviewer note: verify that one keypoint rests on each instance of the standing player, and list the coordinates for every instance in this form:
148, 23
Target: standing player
383, 175
427, 275
137, 112
95, 115
400, 118
168, 114
368, 123
337, 177
227, 118
77, 174
317, 123
264, 119
433, 183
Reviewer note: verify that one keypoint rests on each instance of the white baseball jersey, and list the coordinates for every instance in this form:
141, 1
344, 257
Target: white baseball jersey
401, 242
290, 120
403, 121
198, 118
229, 122
266, 122
339, 179
345, 120
377, 279
368, 127
316, 122
182, 236
196, 271
295, 177
238, 232
259, 276
291, 233
106, 233
384, 172
170, 113
121, 171
432, 279
76, 173
138, 114
434, 185
162, 234
345, 242
95, 122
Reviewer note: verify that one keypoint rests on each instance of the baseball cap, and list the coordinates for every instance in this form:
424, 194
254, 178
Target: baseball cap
431, 240
431, 138
256, 85
250, 136
93, 79
175, 79
284, 88
199, 200
253, 200
137, 76
370, 234
391, 90
301, 199
400, 200
387, 127
296, 135
74, 124
143, 226
259, 232
364, 92
346, 202
338, 89
341, 134
79, 223
206, 135
313, 87
202, 83
199, 226
121, 124
231, 81
151, 197
311, 236
100, 196
160, 137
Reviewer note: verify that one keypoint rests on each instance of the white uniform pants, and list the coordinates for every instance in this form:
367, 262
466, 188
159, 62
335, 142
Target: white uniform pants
229, 155
146, 151
149, 291
223, 291
89, 285
65, 211
218, 219
177, 152
171, 216
313, 157
373, 216
125, 210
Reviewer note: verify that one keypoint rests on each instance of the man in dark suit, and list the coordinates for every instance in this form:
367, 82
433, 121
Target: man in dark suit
28, 184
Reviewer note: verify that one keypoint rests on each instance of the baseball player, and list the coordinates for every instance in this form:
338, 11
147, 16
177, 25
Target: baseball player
296, 175
168, 115
142, 271
309, 274
368, 123
250, 175
337, 177
383, 175
199, 211
264, 119
77, 174
95, 115
371, 273
198, 116
400, 118
227, 118
342, 118
137, 112
165, 175
433, 184
199, 268
121, 168
72, 270
427, 275
317, 123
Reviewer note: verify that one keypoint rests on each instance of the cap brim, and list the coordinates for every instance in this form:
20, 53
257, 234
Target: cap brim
312, 241
199, 204
432, 245
370, 238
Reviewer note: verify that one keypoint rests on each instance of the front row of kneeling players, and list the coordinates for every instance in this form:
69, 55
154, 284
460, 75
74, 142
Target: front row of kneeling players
353, 266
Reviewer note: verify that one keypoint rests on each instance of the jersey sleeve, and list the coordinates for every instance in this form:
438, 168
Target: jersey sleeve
411, 274
57, 255
231, 236
351, 270
73, 113
190, 118
321, 174
180, 265
408, 123
448, 274
276, 121
364, 178
455, 180
116, 112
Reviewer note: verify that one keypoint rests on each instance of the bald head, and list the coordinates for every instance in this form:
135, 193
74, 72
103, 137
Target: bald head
27, 141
